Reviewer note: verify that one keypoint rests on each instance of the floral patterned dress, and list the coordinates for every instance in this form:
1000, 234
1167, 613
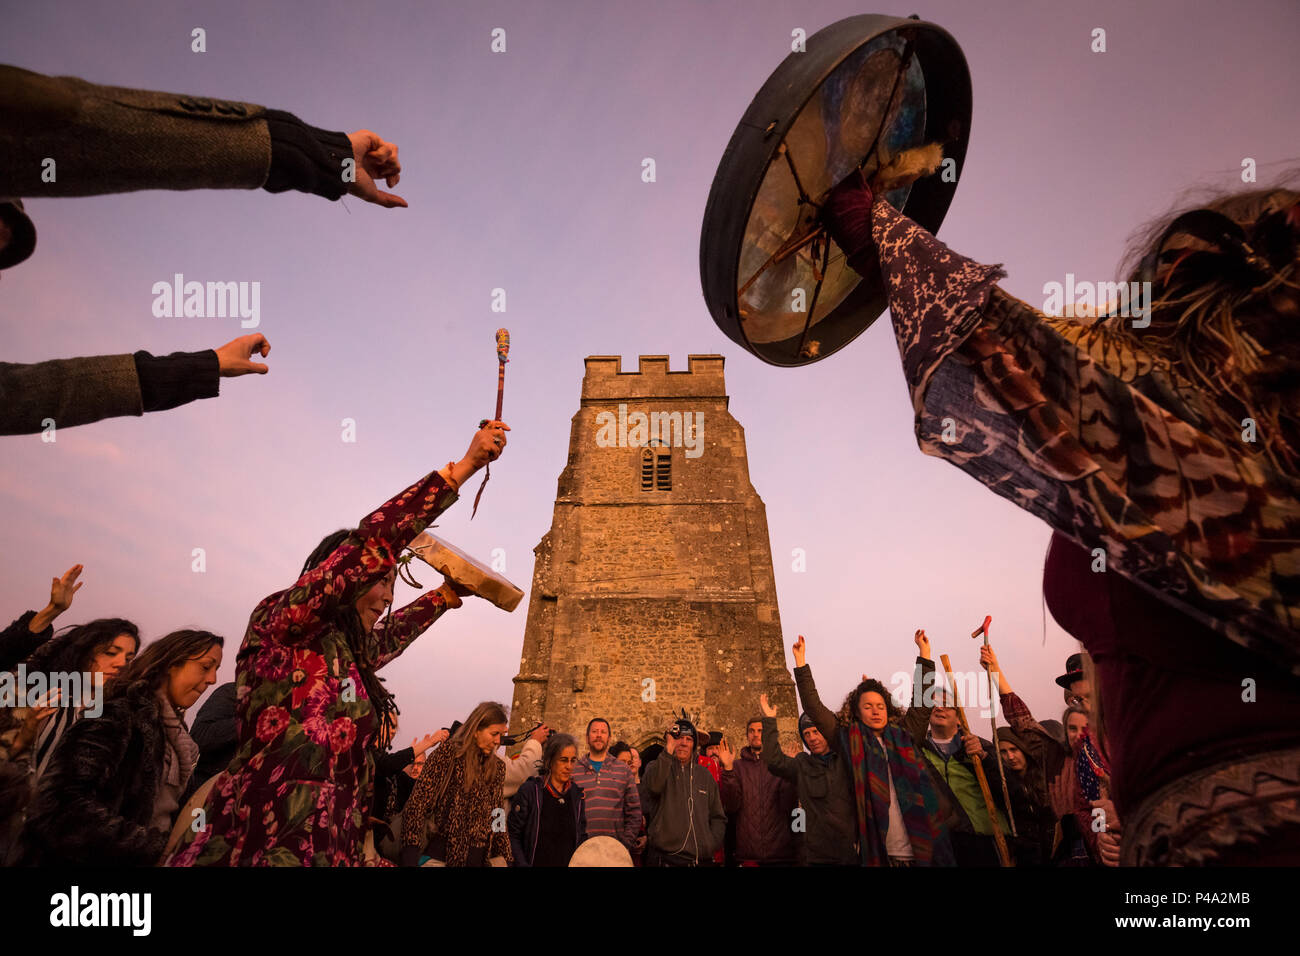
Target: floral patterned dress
299, 787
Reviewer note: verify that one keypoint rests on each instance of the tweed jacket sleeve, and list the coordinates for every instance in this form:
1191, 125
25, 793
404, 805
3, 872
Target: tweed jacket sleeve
69, 391
107, 139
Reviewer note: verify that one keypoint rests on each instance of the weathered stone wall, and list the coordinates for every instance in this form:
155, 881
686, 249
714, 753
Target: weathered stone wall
645, 602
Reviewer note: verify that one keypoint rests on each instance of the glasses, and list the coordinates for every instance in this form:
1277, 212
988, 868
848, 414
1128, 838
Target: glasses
1076, 700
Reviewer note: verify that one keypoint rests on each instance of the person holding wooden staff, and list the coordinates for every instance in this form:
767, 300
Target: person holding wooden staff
987, 815
1162, 446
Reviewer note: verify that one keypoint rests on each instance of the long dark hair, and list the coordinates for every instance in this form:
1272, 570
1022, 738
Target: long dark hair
74, 650
150, 669
344, 616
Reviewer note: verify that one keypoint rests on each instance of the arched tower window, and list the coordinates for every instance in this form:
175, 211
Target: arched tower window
656, 468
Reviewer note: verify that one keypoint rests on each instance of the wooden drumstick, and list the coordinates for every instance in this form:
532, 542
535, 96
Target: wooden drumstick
503, 350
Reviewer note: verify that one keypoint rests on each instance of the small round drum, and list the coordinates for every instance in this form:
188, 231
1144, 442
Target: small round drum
466, 571
866, 88
601, 851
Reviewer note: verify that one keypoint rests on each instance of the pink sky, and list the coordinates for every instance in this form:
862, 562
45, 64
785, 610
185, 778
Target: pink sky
523, 171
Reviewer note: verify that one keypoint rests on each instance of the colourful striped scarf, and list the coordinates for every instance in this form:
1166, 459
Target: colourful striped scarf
875, 762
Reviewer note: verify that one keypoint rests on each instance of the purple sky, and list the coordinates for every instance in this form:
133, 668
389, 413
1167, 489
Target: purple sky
523, 171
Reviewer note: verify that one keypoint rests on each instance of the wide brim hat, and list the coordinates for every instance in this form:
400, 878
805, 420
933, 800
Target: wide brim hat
22, 233
1073, 671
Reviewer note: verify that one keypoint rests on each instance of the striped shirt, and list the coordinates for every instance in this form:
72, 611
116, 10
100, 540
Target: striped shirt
610, 798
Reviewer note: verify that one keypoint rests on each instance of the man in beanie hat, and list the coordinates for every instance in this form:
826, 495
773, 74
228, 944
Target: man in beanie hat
688, 824
825, 824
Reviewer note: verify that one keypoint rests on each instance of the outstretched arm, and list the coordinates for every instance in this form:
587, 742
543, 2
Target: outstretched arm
812, 704
917, 718
107, 139
371, 552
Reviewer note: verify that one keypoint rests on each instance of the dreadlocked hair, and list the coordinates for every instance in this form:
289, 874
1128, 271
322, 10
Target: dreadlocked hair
1224, 315
343, 615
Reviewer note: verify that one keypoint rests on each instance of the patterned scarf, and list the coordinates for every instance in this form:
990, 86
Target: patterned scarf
877, 761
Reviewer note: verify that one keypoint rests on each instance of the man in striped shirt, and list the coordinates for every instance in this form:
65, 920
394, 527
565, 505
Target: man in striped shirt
609, 790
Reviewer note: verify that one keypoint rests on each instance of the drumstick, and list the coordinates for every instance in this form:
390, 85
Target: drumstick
998, 839
503, 349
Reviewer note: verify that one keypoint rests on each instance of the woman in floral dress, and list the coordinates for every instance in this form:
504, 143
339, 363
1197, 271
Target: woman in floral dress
298, 790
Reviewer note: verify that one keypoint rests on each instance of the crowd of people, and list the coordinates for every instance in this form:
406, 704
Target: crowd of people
293, 763
1165, 451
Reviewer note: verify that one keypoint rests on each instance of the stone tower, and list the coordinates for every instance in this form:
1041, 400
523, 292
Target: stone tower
654, 590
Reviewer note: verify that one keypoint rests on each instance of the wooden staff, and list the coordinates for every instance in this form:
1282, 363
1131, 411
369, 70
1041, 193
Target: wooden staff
993, 722
503, 349
1003, 854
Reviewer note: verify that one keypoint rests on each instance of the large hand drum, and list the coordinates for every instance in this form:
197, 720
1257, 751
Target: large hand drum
866, 88
466, 571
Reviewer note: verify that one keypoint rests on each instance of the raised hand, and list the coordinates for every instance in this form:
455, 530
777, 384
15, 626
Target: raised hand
540, 734
800, 650
726, 756
453, 592
768, 709
62, 589
233, 357
375, 159
989, 660
429, 741
488, 444
922, 644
